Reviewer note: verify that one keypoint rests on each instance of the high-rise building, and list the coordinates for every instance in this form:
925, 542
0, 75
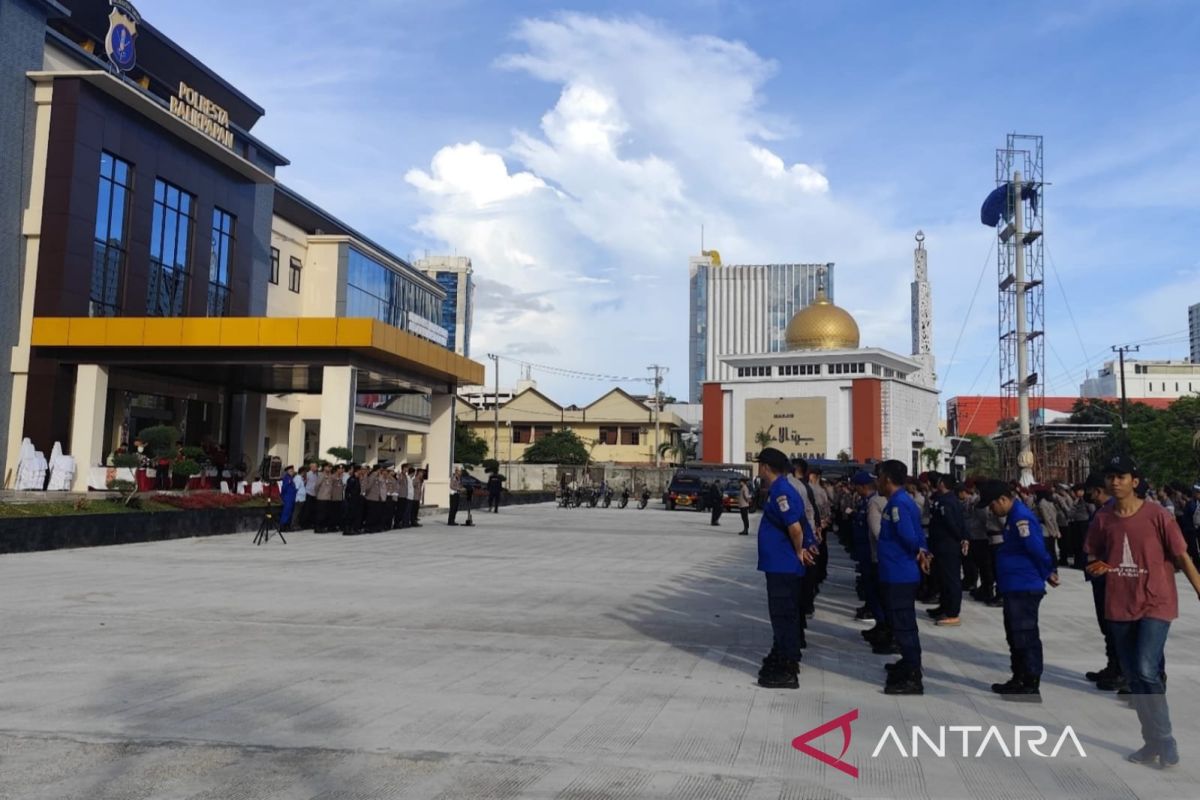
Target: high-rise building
922, 316
740, 309
1144, 380
1194, 332
454, 273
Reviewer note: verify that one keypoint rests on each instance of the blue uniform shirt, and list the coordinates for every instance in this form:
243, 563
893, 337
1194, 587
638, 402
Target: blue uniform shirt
1022, 562
901, 538
862, 531
784, 508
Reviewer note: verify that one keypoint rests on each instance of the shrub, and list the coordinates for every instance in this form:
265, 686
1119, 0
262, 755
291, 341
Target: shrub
490, 465
341, 453
195, 501
196, 454
185, 468
160, 440
127, 461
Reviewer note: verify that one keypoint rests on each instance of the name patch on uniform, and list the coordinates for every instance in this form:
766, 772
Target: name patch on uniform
895, 514
1023, 528
783, 504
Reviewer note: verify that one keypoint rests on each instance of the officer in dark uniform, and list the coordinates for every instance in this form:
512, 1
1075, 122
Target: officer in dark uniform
948, 543
1023, 567
716, 501
785, 549
495, 483
902, 558
867, 522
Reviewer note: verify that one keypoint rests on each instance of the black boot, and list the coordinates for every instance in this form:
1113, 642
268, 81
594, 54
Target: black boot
770, 661
1020, 687
784, 675
908, 683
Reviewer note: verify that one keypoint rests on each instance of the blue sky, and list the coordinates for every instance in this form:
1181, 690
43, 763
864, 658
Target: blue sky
573, 152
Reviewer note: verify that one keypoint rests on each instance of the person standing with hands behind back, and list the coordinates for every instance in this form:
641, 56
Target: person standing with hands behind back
903, 556
1137, 547
785, 550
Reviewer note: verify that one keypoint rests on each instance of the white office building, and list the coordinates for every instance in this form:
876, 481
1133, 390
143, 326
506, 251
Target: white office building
1144, 380
742, 309
1194, 332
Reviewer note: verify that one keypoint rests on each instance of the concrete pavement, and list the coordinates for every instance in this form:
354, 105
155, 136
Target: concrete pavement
545, 653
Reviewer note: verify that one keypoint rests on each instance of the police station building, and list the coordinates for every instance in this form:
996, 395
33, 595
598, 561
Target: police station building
153, 270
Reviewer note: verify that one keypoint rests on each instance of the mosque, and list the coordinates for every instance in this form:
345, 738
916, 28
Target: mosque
826, 396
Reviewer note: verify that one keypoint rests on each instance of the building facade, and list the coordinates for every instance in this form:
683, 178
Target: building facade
456, 277
615, 428
1194, 333
1144, 380
739, 309
167, 278
824, 397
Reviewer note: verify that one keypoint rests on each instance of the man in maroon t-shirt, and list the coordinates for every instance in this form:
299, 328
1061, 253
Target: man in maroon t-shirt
1136, 546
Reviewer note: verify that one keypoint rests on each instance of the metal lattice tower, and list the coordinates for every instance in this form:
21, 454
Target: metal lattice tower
1023, 154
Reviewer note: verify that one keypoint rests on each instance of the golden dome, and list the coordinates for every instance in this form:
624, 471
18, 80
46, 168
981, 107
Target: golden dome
822, 326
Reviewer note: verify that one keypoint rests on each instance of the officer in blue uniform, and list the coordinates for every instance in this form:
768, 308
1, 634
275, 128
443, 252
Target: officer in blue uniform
902, 557
786, 546
1023, 567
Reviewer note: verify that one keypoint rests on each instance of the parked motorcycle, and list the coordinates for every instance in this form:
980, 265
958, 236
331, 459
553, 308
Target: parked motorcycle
608, 497
624, 501
645, 499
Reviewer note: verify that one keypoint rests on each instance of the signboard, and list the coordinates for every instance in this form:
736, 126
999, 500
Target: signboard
122, 28
427, 329
202, 114
795, 425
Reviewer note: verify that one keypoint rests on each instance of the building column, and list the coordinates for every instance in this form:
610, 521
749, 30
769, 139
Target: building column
295, 448
247, 428
338, 390
87, 422
439, 444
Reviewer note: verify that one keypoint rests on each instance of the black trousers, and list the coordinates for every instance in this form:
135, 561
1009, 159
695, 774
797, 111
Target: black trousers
1021, 631
787, 617
745, 512
980, 558
716, 514
354, 513
453, 508
899, 604
326, 515
494, 502
947, 564
1110, 648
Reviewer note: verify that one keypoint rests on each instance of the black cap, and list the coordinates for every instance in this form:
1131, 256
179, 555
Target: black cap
991, 491
1094, 481
775, 459
1120, 465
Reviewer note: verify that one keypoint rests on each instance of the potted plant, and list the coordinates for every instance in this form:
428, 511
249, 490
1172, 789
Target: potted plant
183, 472
343, 454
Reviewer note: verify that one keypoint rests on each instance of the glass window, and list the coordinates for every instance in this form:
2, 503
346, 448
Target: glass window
274, 266
294, 267
608, 435
377, 291
218, 265
111, 236
521, 434
630, 435
170, 246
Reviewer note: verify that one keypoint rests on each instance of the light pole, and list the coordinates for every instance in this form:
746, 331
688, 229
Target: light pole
1025, 457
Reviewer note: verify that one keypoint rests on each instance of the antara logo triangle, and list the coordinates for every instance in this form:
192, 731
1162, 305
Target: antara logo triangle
801, 742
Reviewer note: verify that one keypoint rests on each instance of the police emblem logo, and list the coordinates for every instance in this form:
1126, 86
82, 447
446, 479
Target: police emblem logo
783, 504
1023, 528
895, 514
122, 28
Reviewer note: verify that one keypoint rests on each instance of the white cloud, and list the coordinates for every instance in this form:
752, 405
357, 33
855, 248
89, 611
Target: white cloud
652, 135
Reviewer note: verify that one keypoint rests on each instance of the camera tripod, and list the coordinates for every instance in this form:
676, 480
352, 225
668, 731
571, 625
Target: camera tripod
268, 526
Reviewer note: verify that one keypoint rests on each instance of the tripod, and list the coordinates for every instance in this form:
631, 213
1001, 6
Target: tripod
268, 525
469, 496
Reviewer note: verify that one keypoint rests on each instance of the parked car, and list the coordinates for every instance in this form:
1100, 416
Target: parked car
687, 484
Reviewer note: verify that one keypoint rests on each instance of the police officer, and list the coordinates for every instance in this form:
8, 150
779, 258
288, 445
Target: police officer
785, 550
902, 558
868, 518
1023, 567
948, 543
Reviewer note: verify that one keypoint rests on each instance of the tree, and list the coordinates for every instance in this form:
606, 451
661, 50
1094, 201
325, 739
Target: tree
160, 440
469, 447
341, 453
560, 447
984, 460
931, 456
